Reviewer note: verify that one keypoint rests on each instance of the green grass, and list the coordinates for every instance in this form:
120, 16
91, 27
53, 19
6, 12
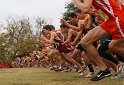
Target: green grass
44, 76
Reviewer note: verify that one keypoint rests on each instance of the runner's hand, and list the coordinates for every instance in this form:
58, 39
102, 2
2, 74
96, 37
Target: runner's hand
82, 26
63, 21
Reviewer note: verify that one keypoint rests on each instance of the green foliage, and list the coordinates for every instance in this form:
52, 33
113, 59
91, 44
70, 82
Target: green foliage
18, 38
70, 7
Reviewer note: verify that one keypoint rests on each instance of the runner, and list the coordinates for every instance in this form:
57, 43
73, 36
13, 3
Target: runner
113, 26
57, 42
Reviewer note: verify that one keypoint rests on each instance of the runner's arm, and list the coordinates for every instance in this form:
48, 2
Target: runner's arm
77, 37
69, 25
85, 6
69, 37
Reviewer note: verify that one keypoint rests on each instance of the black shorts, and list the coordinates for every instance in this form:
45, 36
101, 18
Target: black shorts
79, 47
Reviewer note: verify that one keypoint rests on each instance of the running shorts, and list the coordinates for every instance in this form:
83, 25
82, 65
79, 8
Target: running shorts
115, 27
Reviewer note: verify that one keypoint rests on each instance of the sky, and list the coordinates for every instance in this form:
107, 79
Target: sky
48, 9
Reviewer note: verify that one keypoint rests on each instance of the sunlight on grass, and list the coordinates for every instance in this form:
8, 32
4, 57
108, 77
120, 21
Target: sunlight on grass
44, 76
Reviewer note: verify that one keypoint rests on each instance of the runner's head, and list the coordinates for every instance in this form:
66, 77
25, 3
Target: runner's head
64, 28
46, 29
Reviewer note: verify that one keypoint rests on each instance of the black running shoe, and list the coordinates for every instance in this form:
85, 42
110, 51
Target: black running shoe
101, 75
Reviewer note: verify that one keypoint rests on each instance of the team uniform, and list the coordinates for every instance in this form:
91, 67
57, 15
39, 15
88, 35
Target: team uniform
114, 25
122, 5
62, 48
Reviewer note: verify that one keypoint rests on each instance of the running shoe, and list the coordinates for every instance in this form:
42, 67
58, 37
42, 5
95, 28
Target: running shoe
120, 67
89, 75
83, 69
82, 73
67, 70
102, 74
118, 74
120, 70
51, 68
58, 69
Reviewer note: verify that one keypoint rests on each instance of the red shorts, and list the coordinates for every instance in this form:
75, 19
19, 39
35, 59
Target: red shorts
115, 27
65, 48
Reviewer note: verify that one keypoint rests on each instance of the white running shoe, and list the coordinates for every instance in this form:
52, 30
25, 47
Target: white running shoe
82, 73
89, 75
122, 64
120, 67
118, 74
79, 71
120, 70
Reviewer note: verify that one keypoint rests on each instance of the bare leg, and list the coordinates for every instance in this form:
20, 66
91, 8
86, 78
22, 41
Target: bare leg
73, 59
79, 60
86, 58
115, 45
65, 57
52, 55
87, 42
111, 64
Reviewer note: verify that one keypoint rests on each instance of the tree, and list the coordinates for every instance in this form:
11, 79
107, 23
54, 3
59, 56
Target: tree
39, 23
71, 7
18, 38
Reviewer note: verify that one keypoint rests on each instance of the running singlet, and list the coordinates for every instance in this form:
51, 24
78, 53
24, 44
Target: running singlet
62, 48
122, 5
115, 23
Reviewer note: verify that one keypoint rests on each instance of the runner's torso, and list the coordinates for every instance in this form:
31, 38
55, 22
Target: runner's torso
109, 7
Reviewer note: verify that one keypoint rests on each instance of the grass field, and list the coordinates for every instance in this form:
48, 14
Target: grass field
44, 76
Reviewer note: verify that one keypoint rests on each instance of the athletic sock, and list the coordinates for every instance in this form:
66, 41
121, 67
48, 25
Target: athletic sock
90, 68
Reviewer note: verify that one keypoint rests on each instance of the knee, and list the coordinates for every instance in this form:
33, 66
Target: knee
112, 47
84, 43
49, 56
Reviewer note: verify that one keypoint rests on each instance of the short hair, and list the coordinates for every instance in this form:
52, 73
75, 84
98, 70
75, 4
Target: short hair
47, 27
78, 11
73, 15
52, 27
63, 26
